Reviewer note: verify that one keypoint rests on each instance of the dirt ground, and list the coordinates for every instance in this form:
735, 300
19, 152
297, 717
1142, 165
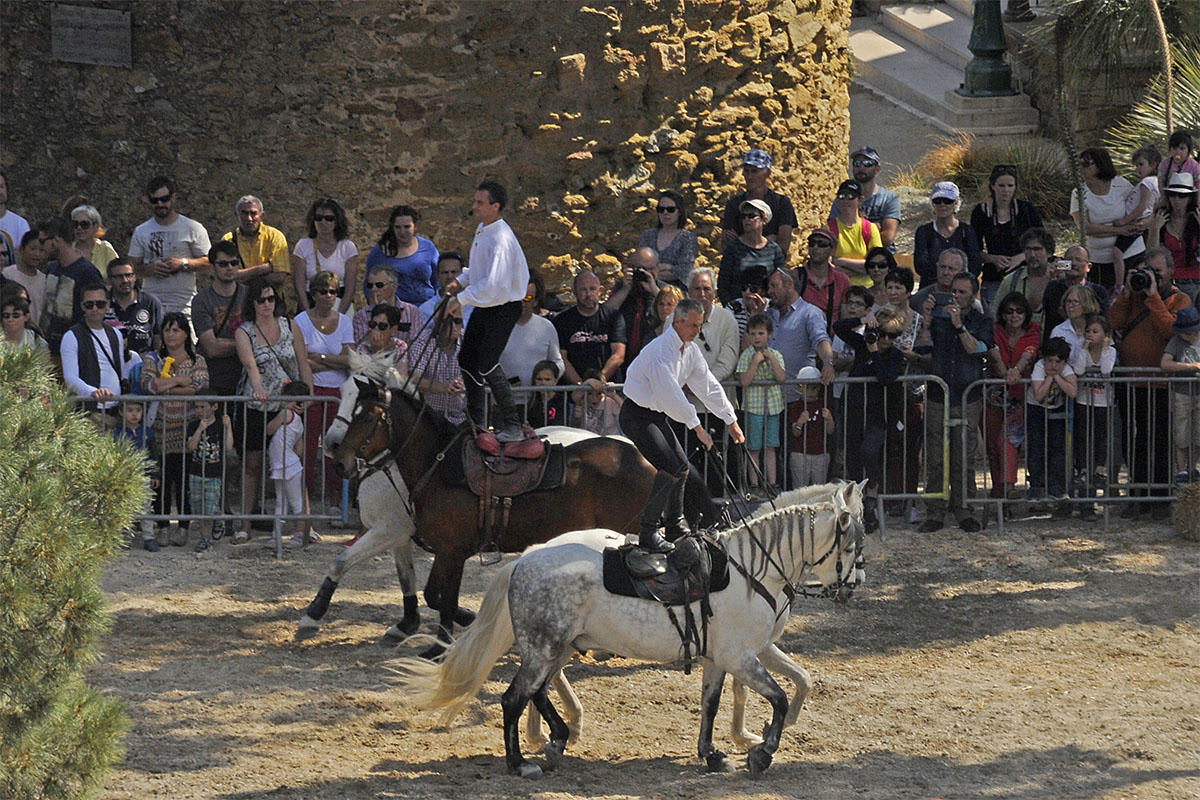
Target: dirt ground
1053, 661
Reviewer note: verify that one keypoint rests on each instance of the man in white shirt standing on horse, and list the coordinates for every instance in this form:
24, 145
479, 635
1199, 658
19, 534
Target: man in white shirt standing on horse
654, 393
494, 283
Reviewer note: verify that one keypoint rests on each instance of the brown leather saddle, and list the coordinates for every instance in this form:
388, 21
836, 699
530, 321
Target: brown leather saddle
497, 474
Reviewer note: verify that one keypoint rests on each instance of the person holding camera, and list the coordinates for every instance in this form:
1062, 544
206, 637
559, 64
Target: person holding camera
633, 297
1144, 312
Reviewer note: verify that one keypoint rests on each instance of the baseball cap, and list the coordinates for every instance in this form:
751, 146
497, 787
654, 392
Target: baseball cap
824, 233
946, 189
759, 206
866, 152
809, 374
758, 158
850, 187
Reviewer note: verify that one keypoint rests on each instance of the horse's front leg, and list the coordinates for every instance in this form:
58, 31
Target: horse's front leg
375, 541
402, 553
710, 698
757, 678
778, 661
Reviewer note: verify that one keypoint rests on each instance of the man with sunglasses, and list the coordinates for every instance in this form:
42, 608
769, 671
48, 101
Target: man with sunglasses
879, 204
756, 171
216, 314
136, 314
168, 249
67, 272
821, 284
93, 357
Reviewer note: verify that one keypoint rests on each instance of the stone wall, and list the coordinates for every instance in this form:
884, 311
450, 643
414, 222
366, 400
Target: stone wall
584, 111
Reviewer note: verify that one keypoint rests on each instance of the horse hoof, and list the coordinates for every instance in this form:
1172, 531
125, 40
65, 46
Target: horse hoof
758, 760
392, 637
553, 751
433, 652
719, 762
528, 770
464, 617
307, 628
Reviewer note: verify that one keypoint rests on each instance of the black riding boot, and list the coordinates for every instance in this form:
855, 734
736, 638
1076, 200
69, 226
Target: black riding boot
649, 539
476, 399
509, 429
676, 523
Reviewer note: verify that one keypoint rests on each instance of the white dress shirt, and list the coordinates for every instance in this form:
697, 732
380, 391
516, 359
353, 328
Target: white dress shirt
656, 378
498, 273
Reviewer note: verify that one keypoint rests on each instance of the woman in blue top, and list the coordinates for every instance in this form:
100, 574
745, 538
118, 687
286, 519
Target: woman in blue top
413, 257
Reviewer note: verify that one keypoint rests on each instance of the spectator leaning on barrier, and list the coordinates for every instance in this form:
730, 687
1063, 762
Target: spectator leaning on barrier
956, 338
1144, 312
1182, 359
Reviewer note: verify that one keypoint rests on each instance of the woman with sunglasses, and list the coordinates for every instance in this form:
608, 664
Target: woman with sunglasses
999, 221
675, 246
414, 258
750, 249
85, 222
328, 337
16, 316
327, 248
1176, 226
175, 369
1017, 335
381, 335
880, 262
272, 351
944, 233
1104, 194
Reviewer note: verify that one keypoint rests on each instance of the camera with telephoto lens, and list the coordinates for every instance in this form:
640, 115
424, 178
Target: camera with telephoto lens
1140, 280
640, 274
870, 336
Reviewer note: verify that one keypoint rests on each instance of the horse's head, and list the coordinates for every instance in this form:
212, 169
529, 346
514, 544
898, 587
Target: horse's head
367, 434
850, 564
350, 391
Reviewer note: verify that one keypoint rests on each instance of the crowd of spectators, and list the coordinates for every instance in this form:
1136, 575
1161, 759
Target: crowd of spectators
986, 298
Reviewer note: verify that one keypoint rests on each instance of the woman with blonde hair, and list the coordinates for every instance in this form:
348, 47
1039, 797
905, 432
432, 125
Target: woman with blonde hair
89, 228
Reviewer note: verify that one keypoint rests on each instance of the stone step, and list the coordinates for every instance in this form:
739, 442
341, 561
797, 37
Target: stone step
892, 66
938, 29
966, 7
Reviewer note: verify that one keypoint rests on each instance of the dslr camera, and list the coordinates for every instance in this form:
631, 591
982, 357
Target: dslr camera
1140, 280
870, 336
640, 274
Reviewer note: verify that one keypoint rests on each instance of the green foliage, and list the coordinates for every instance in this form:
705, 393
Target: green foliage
1146, 121
67, 494
1044, 175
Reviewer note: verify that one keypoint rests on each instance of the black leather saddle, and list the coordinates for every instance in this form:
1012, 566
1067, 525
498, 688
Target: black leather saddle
696, 567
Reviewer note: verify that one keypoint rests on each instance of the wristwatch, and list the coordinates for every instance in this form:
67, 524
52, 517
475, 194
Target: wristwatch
183, 264
961, 329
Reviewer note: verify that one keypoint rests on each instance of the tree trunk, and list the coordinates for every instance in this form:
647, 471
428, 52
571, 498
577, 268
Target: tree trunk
1168, 82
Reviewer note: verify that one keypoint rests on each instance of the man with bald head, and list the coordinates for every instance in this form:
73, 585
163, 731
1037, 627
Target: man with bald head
591, 336
633, 297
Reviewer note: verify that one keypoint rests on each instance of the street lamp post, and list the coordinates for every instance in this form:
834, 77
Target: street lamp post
987, 74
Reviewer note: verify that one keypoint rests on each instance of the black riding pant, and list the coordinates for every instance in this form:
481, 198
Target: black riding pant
651, 432
484, 340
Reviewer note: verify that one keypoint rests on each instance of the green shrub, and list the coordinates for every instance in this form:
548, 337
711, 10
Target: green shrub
1146, 122
1044, 175
67, 493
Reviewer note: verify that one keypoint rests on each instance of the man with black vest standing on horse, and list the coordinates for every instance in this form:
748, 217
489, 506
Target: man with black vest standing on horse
494, 283
653, 395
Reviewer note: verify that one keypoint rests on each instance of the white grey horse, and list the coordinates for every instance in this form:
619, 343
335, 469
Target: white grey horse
552, 600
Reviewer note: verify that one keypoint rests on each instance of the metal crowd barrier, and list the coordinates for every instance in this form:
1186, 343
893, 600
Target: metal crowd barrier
324, 504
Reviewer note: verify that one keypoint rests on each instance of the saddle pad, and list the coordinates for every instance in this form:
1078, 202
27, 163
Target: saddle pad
463, 468
618, 581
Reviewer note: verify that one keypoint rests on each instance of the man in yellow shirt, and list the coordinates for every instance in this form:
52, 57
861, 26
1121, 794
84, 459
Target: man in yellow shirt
263, 249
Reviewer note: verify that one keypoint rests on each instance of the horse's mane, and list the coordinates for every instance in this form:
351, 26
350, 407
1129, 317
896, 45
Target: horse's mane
805, 495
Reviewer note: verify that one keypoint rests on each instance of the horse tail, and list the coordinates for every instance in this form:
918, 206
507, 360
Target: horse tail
450, 684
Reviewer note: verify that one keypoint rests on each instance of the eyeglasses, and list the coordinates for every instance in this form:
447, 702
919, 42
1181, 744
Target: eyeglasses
820, 243
325, 291
877, 265
752, 216
848, 196
324, 218
884, 334
378, 284
220, 263
943, 201
82, 223
457, 320
12, 315
161, 200
667, 209
1013, 310
863, 162
379, 326
90, 304
704, 342
1005, 169
265, 300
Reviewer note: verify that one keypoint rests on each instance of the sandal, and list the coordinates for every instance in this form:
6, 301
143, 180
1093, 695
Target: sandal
240, 537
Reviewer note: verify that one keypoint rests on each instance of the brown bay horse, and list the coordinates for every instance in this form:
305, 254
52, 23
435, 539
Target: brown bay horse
606, 485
